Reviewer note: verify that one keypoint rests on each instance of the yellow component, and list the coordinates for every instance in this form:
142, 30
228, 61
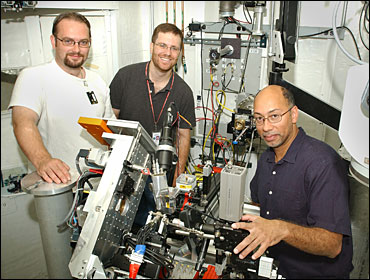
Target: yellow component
185, 186
95, 127
198, 169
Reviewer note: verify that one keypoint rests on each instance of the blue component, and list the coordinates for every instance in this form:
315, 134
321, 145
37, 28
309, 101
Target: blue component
235, 142
140, 249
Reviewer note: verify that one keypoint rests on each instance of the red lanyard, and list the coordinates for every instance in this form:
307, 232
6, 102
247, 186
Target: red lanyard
150, 96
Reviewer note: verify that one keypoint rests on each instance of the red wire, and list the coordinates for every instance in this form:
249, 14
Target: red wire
178, 116
242, 21
202, 119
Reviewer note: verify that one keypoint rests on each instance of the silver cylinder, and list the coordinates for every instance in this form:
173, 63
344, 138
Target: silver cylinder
53, 202
227, 8
258, 20
51, 210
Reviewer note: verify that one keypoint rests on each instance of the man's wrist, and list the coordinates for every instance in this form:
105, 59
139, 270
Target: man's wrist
40, 160
284, 228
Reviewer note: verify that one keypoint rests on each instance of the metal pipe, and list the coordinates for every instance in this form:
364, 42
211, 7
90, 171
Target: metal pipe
344, 13
272, 25
51, 210
227, 8
258, 15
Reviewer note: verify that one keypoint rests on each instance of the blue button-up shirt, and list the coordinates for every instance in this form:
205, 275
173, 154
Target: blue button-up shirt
308, 187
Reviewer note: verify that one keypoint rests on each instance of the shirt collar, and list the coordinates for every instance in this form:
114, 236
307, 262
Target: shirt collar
168, 86
292, 152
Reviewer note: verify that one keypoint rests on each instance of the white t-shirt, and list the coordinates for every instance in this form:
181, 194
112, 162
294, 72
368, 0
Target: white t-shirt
60, 99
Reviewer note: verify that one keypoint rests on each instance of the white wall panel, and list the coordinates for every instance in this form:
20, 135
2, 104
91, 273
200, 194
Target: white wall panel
15, 52
78, 4
11, 155
134, 32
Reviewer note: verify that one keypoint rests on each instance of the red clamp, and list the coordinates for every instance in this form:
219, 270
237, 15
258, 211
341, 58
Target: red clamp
145, 171
185, 201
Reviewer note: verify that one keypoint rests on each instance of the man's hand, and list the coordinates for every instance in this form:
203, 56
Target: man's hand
262, 232
54, 170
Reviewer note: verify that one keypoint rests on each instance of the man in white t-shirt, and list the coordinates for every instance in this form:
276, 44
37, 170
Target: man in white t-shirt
48, 100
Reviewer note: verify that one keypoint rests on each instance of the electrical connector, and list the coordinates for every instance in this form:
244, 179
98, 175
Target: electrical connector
194, 26
136, 259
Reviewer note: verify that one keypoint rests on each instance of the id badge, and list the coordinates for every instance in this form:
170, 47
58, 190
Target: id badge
156, 136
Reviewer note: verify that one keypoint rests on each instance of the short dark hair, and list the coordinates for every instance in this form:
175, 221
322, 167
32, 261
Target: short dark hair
73, 16
288, 95
165, 28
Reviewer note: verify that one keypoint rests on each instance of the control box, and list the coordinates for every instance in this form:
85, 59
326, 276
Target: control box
232, 189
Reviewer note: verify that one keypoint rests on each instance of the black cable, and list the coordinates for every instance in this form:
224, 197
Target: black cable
223, 78
215, 125
354, 40
205, 123
225, 87
233, 20
246, 8
222, 29
331, 29
246, 60
201, 64
367, 10
318, 33
82, 153
153, 256
366, 17
365, 6
80, 183
245, 65
201, 91
209, 216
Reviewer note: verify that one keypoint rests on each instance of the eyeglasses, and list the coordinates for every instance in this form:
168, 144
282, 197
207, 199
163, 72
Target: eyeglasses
274, 118
69, 43
164, 47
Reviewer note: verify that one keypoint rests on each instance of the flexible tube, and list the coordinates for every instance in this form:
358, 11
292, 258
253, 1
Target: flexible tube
337, 38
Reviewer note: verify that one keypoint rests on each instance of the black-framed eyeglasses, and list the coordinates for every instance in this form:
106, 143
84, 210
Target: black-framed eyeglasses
69, 42
164, 47
273, 118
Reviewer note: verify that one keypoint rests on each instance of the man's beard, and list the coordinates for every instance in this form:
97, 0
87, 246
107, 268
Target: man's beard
73, 64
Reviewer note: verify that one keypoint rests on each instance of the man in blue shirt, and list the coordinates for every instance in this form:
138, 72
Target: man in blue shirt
302, 187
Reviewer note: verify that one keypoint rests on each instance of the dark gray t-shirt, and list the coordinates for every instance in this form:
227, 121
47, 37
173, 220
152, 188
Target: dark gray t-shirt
129, 93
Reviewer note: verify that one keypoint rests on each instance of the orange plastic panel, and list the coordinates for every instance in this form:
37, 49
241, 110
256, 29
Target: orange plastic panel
95, 127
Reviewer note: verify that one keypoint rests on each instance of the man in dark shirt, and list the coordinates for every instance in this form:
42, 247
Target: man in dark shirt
143, 92
302, 187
